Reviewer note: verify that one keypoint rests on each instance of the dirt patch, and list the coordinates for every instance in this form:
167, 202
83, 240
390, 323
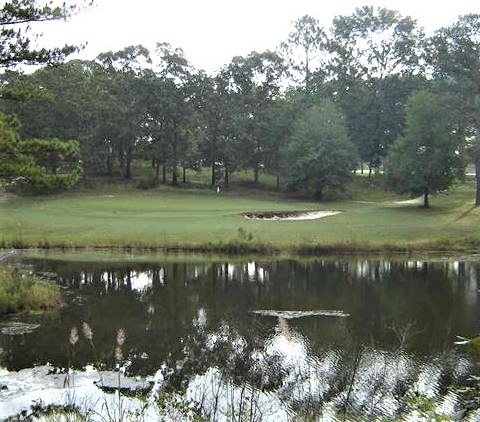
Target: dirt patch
289, 215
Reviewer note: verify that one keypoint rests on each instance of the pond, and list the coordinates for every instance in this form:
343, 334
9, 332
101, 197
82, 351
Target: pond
254, 338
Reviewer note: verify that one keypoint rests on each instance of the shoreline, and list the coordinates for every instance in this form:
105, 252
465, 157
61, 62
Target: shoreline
239, 249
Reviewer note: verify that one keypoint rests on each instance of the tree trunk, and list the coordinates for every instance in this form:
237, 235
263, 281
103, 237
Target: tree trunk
319, 194
213, 174
110, 165
477, 177
121, 160
154, 163
226, 177
184, 175
174, 156
307, 72
164, 174
128, 162
278, 182
425, 198
157, 171
255, 174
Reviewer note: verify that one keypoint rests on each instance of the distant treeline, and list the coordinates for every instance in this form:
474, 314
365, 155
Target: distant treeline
371, 90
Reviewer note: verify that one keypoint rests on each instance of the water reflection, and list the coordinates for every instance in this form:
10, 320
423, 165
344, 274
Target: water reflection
192, 324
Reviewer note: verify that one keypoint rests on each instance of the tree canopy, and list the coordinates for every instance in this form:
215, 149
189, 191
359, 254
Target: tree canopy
426, 159
320, 154
44, 165
340, 93
17, 23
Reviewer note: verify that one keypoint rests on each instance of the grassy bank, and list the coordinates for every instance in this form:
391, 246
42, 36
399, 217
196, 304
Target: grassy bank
20, 292
201, 220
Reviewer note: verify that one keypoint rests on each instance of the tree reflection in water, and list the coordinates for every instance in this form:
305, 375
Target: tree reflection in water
194, 322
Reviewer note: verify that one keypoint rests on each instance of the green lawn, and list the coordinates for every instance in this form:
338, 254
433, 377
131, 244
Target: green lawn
193, 218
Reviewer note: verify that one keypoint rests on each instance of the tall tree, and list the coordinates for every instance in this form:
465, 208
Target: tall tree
212, 107
369, 50
254, 83
32, 160
125, 113
374, 43
65, 102
426, 159
320, 156
174, 113
303, 49
454, 53
275, 129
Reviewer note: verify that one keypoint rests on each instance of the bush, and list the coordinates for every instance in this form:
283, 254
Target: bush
147, 182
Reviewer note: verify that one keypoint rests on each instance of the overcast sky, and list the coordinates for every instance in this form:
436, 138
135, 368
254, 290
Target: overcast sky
211, 32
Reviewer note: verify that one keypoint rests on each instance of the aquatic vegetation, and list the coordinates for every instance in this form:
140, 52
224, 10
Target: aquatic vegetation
20, 291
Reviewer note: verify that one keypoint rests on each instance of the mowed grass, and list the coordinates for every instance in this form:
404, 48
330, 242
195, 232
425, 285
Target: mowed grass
189, 218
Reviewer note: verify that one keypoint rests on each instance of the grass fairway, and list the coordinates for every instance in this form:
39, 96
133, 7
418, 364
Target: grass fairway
202, 219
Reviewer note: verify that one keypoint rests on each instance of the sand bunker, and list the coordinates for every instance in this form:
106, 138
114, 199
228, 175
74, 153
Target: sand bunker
299, 314
289, 215
414, 201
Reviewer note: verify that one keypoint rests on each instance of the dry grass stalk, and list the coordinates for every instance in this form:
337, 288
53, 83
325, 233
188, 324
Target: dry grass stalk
121, 337
87, 331
118, 354
73, 336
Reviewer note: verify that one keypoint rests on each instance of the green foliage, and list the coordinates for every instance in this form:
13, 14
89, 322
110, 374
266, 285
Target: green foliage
20, 292
119, 107
453, 53
375, 62
320, 156
303, 48
148, 181
244, 235
253, 83
38, 165
425, 408
16, 17
427, 158
394, 44
474, 345
177, 407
